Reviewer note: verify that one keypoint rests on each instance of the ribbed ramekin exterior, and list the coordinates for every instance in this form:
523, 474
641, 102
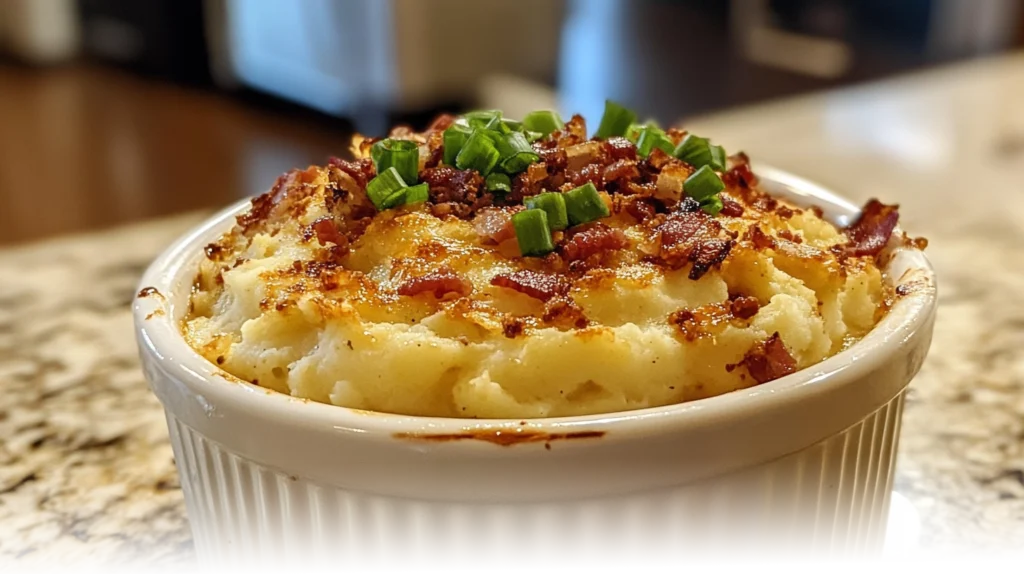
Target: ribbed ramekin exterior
830, 498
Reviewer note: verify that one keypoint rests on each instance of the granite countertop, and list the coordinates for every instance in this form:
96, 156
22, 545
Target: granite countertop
86, 472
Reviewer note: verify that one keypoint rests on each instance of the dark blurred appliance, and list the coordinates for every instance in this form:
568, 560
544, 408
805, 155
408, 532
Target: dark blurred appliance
162, 38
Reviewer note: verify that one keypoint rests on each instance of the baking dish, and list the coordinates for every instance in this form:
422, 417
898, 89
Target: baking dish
802, 464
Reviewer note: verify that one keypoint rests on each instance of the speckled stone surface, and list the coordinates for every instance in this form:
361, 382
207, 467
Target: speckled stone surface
86, 472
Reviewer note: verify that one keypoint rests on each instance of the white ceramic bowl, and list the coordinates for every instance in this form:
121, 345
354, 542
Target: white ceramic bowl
803, 463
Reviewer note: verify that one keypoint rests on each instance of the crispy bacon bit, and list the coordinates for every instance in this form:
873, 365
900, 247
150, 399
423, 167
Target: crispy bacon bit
534, 284
593, 239
617, 148
708, 254
769, 360
676, 135
744, 307
552, 158
456, 192
435, 149
361, 170
439, 283
326, 231
512, 326
574, 132
730, 207
564, 313
620, 172
790, 236
869, 234
760, 240
739, 173
263, 204
530, 182
643, 189
441, 123
641, 208
659, 159
693, 237
495, 224
590, 173
784, 212
700, 322
214, 251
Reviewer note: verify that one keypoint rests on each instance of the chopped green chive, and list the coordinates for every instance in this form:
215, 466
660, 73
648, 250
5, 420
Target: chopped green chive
717, 158
543, 122
499, 125
615, 121
417, 193
584, 204
652, 138
533, 136
511, 144
553, 204
403, 155
693, 150
479, 153
633, 132
498, 183
703, 184
519, 162
699, 152
481, 118
532, 232
381, 188
712, 205
515, 151
454, 138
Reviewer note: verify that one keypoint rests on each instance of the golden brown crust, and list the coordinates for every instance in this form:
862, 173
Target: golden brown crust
649, 229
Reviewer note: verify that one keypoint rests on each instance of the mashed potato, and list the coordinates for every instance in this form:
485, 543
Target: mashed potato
429, 309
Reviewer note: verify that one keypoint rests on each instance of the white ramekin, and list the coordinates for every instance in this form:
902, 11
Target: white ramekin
803, 463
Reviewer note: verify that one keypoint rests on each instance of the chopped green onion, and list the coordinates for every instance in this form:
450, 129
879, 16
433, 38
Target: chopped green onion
454, 138
651, 138
511, 144
699, 152
584, 204
712, 205
694, 150
498, 125
532, 232
543, 121
519, 162
553, 205
717, 158
498, 183
533, 136
513, 125
479, 153
615, 121
417, 193
633, 132
381, 188
703, 184
403, 155
480, 118
515, 153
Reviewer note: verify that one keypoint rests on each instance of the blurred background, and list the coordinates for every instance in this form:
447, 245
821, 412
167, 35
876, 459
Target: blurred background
119, 110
